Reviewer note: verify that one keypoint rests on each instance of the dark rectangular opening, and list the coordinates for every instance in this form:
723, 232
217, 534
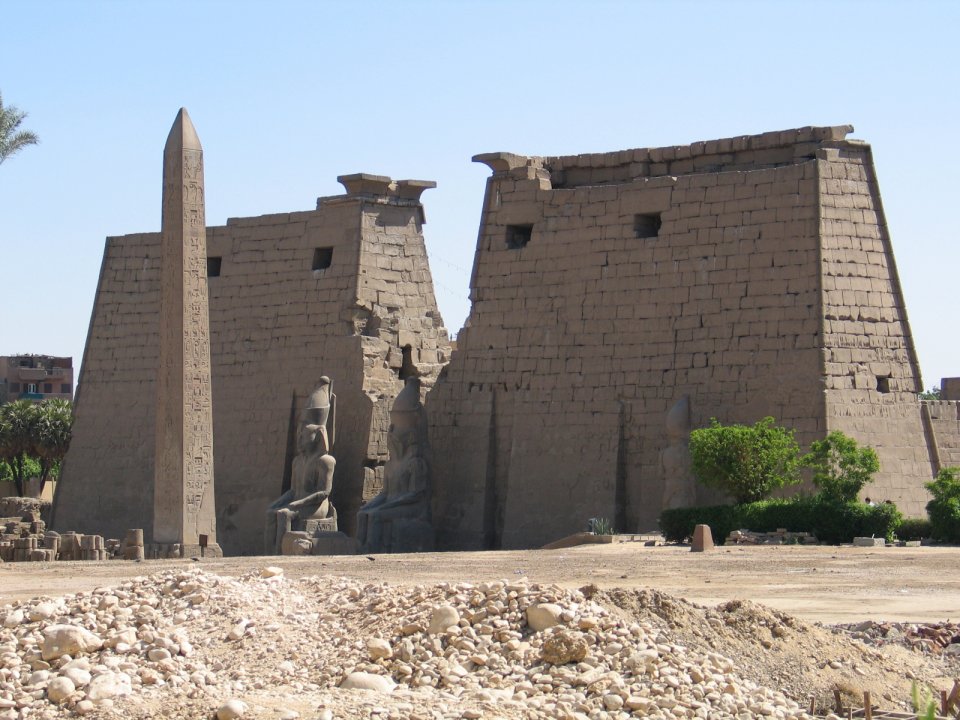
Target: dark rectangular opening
518, 236
883, 384
48, 388
646, 225
213, 266
322, 258
65, 388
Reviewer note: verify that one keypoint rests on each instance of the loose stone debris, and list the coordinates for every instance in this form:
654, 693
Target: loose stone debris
192, 644
780, 536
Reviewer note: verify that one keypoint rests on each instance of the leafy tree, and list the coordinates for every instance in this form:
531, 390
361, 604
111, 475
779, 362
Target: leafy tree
51, 435
944, 508
841, 468
931, 394
31, 468
12, 139
747, 462
17, 420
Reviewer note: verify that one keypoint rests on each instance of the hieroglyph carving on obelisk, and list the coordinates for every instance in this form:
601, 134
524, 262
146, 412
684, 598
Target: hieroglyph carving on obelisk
184, 515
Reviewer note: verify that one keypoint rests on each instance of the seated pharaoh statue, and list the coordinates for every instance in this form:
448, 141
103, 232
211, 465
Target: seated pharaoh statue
305, 509
398, 519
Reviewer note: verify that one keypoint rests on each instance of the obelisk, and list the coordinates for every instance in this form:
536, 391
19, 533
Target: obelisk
184, 513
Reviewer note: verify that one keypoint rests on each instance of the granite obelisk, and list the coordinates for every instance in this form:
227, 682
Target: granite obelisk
184, 513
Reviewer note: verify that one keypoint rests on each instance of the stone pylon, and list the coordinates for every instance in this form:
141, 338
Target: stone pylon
184, 513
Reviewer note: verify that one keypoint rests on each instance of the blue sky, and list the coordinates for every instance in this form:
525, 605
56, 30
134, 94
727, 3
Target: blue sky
286, 96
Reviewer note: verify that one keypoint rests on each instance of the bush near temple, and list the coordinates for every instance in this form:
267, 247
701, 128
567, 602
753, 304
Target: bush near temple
747, 462
944, 508
841, 468
831, 522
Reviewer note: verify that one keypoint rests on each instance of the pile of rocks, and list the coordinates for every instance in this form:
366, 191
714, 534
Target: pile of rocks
780, 536
933, 638
190, 643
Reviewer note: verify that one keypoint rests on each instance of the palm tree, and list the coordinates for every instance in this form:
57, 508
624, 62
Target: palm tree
51, 435
17, 423
13, 140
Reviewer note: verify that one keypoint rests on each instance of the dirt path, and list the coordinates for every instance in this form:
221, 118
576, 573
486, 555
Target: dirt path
825, 584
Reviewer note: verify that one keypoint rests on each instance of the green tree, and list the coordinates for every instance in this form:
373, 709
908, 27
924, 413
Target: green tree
12, 139
944, 508
931, 394
747, 462
51, 435
841, 468
31, 468
17, 421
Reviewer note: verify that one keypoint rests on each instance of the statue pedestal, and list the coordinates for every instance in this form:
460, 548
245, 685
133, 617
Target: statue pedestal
299, 542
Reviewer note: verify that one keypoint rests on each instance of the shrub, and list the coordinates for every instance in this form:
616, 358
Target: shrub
677, 524
914, 529
841, 468
831, 522
793, 514
944, 508
746, 462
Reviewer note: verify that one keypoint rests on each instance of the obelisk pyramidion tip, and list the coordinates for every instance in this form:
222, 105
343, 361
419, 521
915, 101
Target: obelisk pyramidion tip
183, 134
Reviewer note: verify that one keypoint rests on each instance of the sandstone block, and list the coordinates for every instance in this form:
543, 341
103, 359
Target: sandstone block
368, 681
702, 539
564, 647
442, 618
543, 615
59, 640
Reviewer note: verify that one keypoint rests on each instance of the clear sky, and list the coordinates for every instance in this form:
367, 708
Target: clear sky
286, 96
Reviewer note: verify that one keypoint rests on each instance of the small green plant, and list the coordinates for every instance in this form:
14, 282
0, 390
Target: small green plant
944, 509
924, 704
747, 462
601, 526
931, 394
841, 468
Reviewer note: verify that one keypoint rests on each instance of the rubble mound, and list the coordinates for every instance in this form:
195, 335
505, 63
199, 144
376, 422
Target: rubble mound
773, 649
192, 644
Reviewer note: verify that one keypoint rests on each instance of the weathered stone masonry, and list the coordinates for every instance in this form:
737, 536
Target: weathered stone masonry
344, 291
752, 274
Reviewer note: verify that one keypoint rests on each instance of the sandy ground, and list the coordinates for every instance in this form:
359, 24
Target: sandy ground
822, 583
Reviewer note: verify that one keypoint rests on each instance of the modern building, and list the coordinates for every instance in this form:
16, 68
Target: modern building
35, 377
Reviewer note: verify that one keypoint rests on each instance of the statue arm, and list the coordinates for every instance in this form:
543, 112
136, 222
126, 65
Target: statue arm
281, 501
313, 498
333, 419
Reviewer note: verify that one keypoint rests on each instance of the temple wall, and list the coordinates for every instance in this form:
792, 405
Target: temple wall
553, 408
944, 419
871, 375
276, 325
752, 275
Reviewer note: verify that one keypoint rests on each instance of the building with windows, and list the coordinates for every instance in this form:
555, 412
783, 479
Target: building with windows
35, 377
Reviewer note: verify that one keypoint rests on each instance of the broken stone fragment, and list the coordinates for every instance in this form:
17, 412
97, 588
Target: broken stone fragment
564, 647
368, 681
60, 640
379, 649
443, 618
543, 615
231, 710
60, 689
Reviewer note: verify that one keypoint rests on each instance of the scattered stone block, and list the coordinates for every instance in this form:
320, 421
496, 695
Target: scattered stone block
702, 539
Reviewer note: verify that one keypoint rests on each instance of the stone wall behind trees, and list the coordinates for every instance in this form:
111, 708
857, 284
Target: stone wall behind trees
276, 325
